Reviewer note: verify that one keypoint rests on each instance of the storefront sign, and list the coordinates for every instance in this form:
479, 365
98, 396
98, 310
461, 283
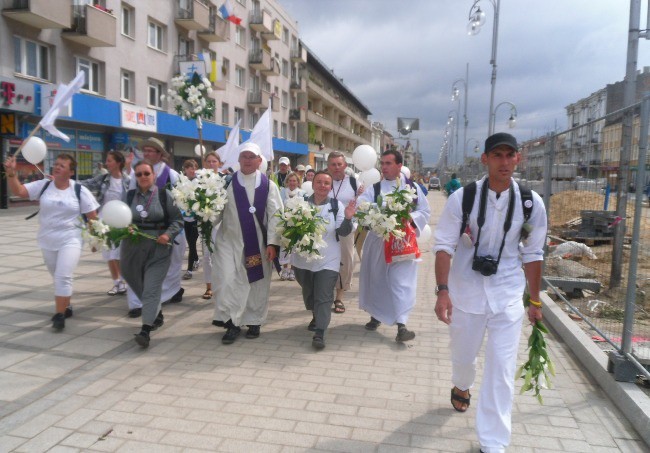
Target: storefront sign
16, 95
92, 141
139, 118
7, 124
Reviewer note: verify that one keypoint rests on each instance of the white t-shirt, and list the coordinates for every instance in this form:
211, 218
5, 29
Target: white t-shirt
332, 252
60, 216
114, 191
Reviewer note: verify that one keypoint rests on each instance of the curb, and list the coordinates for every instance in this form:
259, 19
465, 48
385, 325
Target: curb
628, 397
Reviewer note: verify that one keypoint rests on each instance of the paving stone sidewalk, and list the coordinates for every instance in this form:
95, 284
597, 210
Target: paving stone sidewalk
91, 388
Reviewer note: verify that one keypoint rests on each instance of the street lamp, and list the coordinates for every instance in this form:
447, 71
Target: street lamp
512, 121
476, 19
452, 122
455, 96
477, 146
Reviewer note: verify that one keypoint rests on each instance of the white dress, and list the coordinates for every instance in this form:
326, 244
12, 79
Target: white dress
387, 291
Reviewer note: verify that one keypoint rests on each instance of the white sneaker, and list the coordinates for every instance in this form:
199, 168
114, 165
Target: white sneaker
187, 275
284, 274
291, 276
113, 290
121, 288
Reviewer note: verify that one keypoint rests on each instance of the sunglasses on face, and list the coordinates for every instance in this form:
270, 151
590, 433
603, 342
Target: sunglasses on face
142, 173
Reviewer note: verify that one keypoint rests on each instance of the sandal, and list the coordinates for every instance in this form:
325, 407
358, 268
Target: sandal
460, 399
207, 294
338, 307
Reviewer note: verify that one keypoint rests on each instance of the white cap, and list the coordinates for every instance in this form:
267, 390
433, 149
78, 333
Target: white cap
406, 172
300, 167
252, 147
308, 167
284, 160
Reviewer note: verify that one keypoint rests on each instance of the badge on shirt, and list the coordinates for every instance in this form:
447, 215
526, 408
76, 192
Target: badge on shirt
252, 209
139, 208
144, 214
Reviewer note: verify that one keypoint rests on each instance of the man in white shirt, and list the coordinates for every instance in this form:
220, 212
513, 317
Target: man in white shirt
481, 290
387, 291
344, 189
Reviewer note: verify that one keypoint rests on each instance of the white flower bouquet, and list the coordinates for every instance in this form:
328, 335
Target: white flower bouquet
189, 96
205, 196
301, 229
388, 216
103, 237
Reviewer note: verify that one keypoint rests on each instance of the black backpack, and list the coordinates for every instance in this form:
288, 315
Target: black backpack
469, 193
77, 192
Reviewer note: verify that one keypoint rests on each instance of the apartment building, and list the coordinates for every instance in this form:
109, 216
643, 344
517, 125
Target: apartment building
130, 50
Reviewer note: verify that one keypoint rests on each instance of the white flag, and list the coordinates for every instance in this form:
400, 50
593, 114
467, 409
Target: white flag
63, 97
229, 153
262, 134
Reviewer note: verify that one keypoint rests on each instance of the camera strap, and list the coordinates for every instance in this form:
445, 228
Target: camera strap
480, 220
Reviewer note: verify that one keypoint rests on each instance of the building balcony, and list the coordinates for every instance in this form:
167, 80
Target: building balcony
260, 60
261, 21
297, 115
299, 55
218, 31
298, 85
192, 15
258, 98
92, 27
40, 14
274, 70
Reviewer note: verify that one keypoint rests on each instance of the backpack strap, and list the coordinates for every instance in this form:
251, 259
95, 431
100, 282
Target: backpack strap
526, 201
77, 192
47, 184
469, 193
353, 184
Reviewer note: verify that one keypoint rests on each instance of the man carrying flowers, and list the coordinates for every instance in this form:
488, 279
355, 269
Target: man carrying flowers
490, 235
388, 278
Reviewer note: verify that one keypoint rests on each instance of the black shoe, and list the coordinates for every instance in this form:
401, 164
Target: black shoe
68, 312
317, 342
253, 332
58, 321
219, 323
403, 334
135, 313
231, 335
158, 322
176, 298
312, 325
142, 339
372, 324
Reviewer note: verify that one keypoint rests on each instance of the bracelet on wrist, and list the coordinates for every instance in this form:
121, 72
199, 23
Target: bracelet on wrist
535, 303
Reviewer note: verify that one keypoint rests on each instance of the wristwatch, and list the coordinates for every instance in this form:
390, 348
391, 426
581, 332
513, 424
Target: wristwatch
441, 288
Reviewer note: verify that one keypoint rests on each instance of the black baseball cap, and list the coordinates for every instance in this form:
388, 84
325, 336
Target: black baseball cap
498, 139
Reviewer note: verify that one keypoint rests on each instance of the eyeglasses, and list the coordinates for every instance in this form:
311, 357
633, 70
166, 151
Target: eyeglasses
142, 173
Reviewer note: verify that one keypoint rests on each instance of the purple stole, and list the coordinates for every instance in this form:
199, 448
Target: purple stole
253, 260
163, 178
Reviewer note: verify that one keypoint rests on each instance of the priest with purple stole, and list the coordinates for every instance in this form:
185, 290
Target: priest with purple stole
245, 248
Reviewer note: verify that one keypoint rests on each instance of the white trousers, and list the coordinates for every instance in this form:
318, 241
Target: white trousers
467, 330
61, 264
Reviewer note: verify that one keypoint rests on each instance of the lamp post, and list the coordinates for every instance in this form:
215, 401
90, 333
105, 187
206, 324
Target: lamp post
452, 122
476, 20
512, 121
477, 146
455, 96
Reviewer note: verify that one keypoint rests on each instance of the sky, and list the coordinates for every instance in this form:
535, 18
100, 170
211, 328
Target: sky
401, 57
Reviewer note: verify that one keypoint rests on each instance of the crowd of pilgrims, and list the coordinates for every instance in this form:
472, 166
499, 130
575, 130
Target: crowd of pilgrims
237, 274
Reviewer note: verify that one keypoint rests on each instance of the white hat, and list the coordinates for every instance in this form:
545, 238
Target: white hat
284, 160
406, 172
308, 167
300, 167
252, 147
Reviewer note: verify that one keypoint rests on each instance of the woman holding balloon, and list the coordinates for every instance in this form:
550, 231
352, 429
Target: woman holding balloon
145, 262
108, 187
62, 202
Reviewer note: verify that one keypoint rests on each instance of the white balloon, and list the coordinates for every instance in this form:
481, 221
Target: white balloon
199, 150
116, 214
406, 172
364, 157
307, 188
370, 177
264, 165
34, 150
425, 237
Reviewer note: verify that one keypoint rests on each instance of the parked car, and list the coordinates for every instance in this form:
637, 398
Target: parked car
434, 184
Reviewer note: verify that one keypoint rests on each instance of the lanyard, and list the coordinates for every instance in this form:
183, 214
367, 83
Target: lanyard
481, 217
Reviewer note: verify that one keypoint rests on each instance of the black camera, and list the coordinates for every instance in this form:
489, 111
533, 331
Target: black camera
486, 265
